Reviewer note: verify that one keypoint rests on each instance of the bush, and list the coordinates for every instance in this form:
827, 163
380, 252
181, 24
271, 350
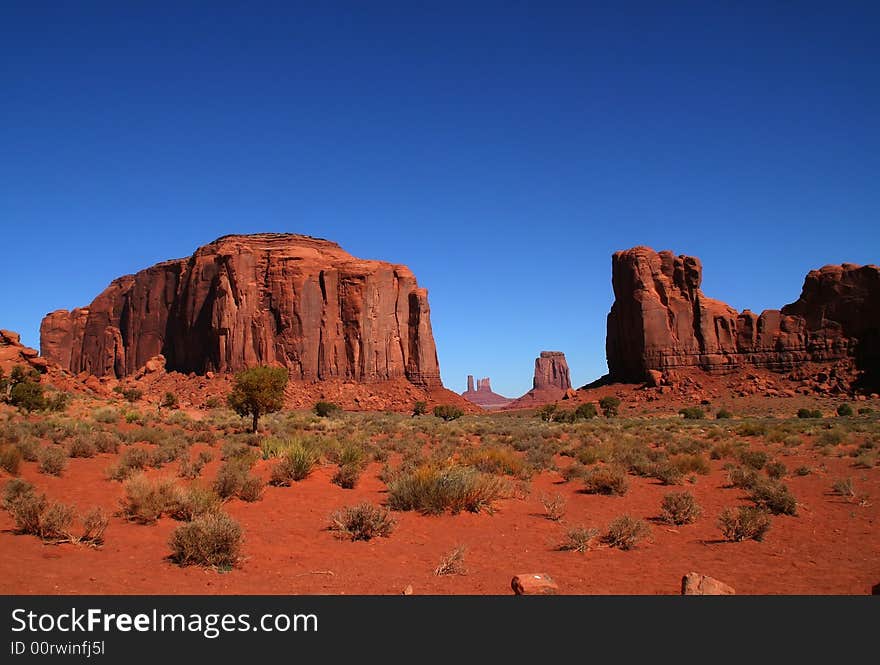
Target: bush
52, 460
27, 396
448, 412
554, 506
420, 408
132, 460
326, 409
82, 446
16, 489
106, 415
362, 522
808, 413
452, 563
26, 510
578, 539
190, 469
865, 411
432, 489
606, 480
146, 500
775, 497
56, 523
843, 487
723, 414
193, 502
667, 473
680, 508
231, 477
296, 464
251, 489
747, 523
802, 471
692, 413
776, 470
58, 401
495, 459
29, 448
95, 523
213, 540
609, 405
105, 442
625, 532
547, 412
743, 478
10, 459
754, 459
844, 410
691, 464
132, 394
169, 401
347, 475
586, 411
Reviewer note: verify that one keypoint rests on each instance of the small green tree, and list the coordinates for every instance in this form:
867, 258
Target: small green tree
257, 391
169, 401
547, 412
844, 410
586, 411
609, 406
325, 409
27, 396
420, 408
448, 412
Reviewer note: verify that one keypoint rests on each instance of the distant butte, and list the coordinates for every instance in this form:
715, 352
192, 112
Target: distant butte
483, 395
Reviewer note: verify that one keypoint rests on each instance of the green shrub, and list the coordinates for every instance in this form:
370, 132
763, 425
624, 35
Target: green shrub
606, 480
52, 460
132, 460
82, 446
625, 532
10, 459
586, 411
692, 413
326, 409
420, 408
296, 464
723, 414
169, 401
448, 412
433, 489
362, 522
680, 508
746, 523
775, 497
809, 413
578, 539
107, 415
132, 394
547, 413
58, 401
753, 459
844, 410
610, 406
865, 411
27, 396
776, 470
213, 539
147, 500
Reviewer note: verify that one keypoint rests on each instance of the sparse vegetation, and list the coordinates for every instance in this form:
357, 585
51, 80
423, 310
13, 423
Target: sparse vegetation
258, 391
745, 523
692, 413
680, 508
809, 413
212, 540
434, 489
326, 409
452, 563
448, 412
844, 410
625, 532
578, 539
610, 406
608, 480
362, 522
52, 460
554, 506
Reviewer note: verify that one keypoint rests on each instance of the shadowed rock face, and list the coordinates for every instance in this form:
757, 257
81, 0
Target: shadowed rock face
241, 301
661, 320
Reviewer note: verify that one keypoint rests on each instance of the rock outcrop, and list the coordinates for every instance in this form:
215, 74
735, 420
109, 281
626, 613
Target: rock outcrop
244, 300
551, 372
662, 321
483, 395
13, 352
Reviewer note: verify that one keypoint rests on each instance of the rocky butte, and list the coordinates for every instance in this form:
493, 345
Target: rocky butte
245, 300
551, 382
483, 395
662, 321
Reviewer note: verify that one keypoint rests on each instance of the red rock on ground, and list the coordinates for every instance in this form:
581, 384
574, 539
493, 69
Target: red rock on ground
694, 584
240, 301
534, 584
661, 320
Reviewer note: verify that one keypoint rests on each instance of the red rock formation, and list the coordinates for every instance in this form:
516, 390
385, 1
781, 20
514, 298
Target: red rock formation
660, 320
240, 301
483, 395
551, 372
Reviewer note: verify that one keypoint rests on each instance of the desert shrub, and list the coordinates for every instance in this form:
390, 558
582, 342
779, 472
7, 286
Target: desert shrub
809, 413
10, 459
146, 500
95, 523
326, 409
610, 406
774, 497
27, 396
106, 414
746, 523
296, 464
722, 450
866, 460
547, 413
680, 508
692, 413
167, 451
554, 506
132, 394
194, 501
58, 401
56, 523
82, 446
362, 522
52, 460
232, 449
625, 532
105, 442
865, 410
190, 468
537, 459
723, 414
844, 410
802, 471
578, 539
843, 487
420, 408
690, 464
751, 428
452, 563
231, 477
433, 489
26, 510
776, 470
448, 412
667, 473
251, 489
213, 540
169, 401
131, 461
753, 459
574, 471
495, 459
347, 475
831, 437
606, 480
28, 447
586, 411
743, 478
16, 489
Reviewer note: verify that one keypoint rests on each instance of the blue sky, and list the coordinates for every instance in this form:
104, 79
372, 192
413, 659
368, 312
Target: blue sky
503, 151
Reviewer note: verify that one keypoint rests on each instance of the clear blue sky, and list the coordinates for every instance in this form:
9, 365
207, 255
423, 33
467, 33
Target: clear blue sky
501, 150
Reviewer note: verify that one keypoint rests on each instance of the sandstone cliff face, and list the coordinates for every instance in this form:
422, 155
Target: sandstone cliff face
241, 301
551, 371
660, 320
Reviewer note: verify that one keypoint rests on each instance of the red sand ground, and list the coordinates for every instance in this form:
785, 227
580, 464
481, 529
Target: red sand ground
831, 547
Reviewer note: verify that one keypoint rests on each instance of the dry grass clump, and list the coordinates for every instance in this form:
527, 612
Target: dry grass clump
362, 522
